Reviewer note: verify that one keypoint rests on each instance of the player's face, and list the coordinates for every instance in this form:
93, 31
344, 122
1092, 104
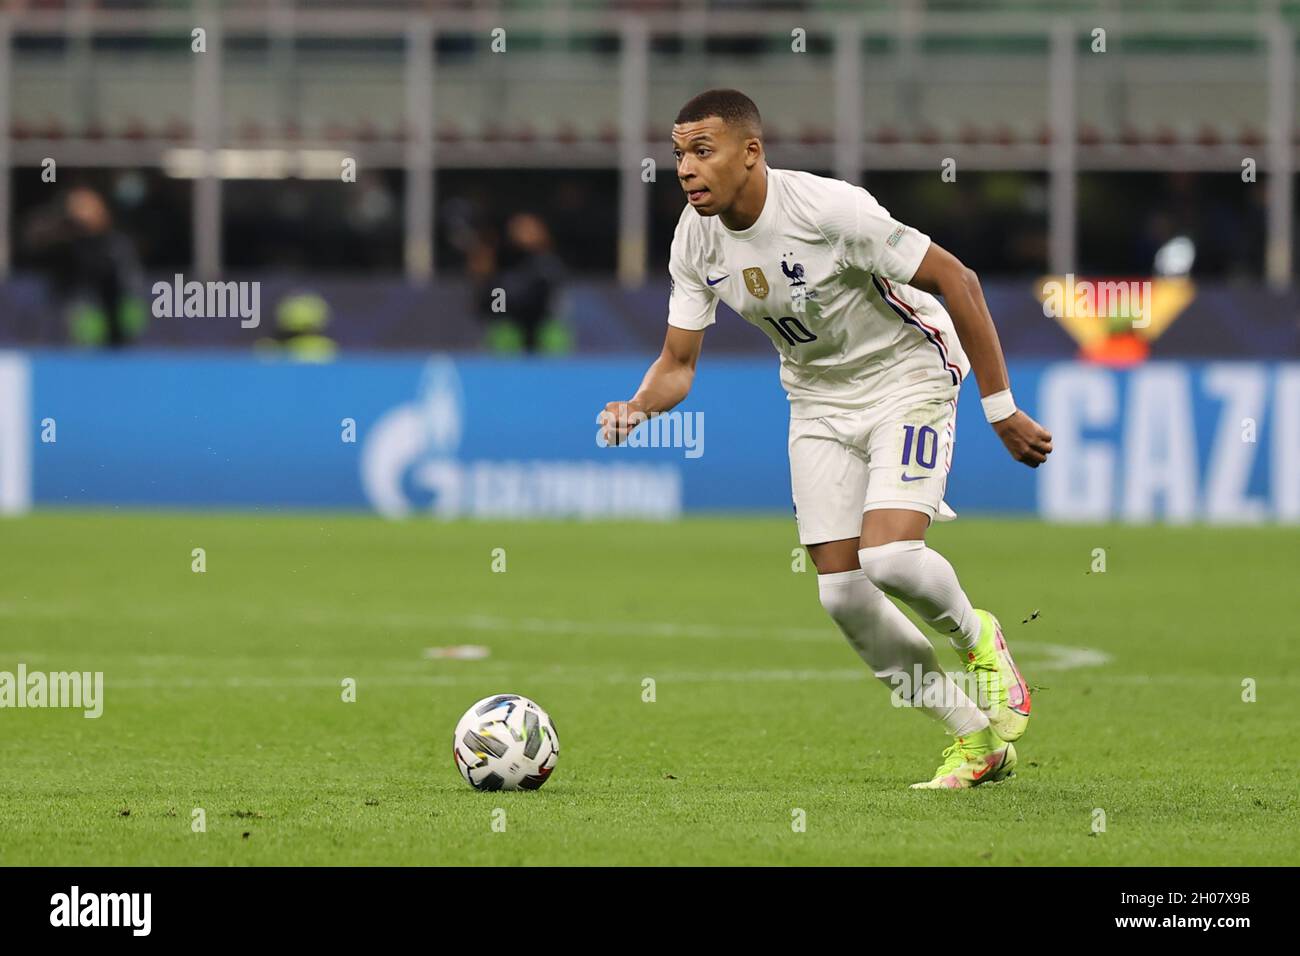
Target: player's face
712, 163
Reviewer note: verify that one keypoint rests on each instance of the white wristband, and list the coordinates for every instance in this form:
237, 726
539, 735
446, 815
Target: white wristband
998, 406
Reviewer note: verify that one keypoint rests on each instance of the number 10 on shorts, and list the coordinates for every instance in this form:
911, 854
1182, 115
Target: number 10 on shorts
926, 440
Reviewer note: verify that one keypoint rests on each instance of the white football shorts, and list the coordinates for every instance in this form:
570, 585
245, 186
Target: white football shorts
892, 454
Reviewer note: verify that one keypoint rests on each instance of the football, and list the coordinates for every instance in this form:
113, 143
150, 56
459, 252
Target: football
505, 742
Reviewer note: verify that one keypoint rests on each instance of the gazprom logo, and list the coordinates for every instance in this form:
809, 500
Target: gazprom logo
413, 460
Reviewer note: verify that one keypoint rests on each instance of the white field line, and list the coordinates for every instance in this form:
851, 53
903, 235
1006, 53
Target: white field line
414, 621
541, 677
588, 679
1036, 656
1058, 656
663, 678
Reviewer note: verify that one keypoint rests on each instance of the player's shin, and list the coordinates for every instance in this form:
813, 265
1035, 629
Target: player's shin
924, 580
896, 651
927, 583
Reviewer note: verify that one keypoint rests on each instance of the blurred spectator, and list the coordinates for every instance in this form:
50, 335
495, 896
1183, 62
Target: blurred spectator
300, 323
94, 269
516, 286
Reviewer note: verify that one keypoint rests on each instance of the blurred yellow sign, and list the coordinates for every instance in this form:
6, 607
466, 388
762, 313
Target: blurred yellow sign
1094, 310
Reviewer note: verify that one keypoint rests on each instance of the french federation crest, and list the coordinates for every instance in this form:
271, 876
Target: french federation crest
756, 282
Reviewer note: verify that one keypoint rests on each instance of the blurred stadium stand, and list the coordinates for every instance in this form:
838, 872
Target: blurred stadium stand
227, 163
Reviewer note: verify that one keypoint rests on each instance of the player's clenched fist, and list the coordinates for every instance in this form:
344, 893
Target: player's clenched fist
618, 419
1027, 440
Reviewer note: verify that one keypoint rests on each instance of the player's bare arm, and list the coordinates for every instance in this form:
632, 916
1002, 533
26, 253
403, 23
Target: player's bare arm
942, 273
666, 383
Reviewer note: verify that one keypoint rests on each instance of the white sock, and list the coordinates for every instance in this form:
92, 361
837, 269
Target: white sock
926, 582
896, 651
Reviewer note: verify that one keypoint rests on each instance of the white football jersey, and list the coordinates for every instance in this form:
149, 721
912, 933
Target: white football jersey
824, 272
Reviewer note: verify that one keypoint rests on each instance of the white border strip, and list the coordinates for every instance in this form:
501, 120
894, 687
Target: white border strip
15, 434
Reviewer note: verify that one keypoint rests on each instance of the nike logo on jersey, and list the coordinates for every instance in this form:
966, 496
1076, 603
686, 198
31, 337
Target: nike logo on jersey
907, 477
715, 281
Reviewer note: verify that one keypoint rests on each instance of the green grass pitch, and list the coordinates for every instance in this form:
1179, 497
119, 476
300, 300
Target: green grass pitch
223, 691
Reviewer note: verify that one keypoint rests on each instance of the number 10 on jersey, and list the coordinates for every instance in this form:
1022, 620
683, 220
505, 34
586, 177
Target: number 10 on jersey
927, 445
792, 330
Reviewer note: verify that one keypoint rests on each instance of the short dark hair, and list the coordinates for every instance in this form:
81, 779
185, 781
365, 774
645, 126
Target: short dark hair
731, 106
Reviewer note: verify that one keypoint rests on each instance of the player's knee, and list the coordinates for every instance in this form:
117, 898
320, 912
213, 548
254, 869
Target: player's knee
837, 602
849, 596
835, 557
870, 622
891, 567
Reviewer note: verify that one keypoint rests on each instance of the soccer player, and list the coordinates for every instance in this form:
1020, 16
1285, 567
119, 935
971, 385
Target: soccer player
872, 363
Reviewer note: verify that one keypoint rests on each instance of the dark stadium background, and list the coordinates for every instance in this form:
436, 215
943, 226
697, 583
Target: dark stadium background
1068, 160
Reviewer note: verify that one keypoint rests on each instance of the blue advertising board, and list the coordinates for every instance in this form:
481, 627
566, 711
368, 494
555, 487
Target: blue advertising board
453, 436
